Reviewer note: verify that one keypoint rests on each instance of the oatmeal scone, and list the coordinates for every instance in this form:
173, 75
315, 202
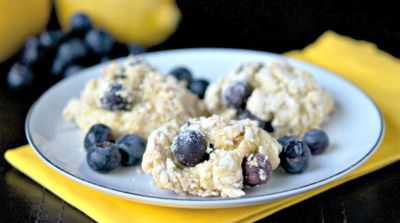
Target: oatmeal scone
282, 98
211, 156
133, 98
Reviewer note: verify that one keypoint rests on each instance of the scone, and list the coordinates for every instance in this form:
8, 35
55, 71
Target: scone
283, 99
211, 156
133, 98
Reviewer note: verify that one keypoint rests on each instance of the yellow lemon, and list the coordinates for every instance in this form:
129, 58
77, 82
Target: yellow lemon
18, 20
147, 22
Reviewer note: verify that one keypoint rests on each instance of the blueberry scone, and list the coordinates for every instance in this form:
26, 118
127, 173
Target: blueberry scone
284, 100
133, 98
211, 156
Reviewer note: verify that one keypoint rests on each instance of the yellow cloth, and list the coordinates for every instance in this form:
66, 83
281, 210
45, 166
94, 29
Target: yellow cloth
374, 71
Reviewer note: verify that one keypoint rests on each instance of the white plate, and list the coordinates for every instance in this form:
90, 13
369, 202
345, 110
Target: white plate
355, 130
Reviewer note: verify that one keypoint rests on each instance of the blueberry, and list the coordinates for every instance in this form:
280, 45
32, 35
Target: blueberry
68, 53
72, 69
98, 133
317, 140
20, 76
182, 74
132, 148
51, 39
104, 157
266, 125
189, 147
99, 41
115, 86
113, 100
136, 49
295, 157
80, 22
286, 139
31, 53
235, 96
199, 87
256, 169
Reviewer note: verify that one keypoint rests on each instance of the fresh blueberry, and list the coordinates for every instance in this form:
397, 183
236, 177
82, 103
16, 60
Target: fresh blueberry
51, 39
235, 96
104, 157
99, 41
286, 139
189, 147
20, 76
72, 69
295, 157
199, 87
256, 170
317, 140
98, 133
132, 148
80, 22
68, 53
113, 100
266, 125
182, 74
115, 86
31, 53
136, 49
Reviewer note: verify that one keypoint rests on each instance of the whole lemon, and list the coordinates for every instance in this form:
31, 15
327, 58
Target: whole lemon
146, 22
18, 20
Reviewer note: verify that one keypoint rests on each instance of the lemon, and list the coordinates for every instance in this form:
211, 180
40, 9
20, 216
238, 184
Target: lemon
146, 22
18, 20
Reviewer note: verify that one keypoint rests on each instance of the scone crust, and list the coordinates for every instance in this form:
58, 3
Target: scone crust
283, 94
156, 98
221, 175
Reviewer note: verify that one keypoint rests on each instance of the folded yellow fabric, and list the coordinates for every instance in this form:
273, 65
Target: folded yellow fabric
376, 72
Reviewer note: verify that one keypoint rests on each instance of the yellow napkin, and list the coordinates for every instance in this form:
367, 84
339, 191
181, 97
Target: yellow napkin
376, 72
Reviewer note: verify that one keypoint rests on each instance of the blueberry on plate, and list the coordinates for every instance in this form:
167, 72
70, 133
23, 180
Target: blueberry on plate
317, 140
189, 147
99, 41
295, 157
132, 148
31, 53
182, 74
80, 22
256, 170
199, 87
235, 96
72, 69
286, 139
68, 53
104, 157
20, 76
266, 125
98, 133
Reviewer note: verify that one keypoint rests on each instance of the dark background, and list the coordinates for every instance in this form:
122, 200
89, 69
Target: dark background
276, 26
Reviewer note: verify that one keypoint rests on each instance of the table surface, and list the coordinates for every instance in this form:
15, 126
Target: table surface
371, 198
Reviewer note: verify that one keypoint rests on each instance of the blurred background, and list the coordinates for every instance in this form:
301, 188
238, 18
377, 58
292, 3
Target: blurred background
136, 26
35, 53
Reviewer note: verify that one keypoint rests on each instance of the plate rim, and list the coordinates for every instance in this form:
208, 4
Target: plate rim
221, 203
